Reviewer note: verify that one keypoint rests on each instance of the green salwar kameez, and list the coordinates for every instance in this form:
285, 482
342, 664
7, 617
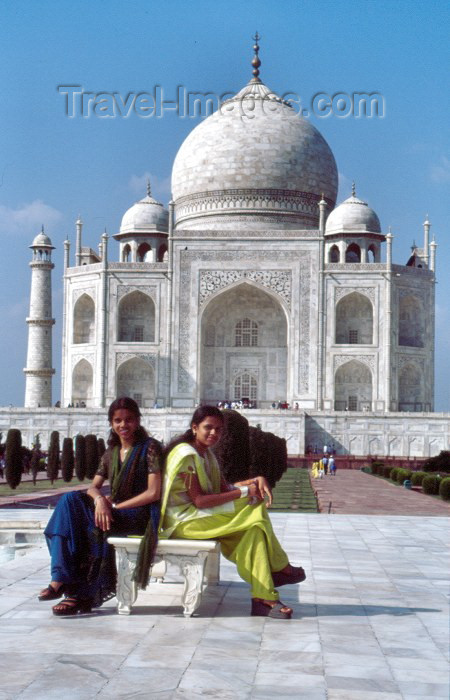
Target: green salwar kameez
244, 531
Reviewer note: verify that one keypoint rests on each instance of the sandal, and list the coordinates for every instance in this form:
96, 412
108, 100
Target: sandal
262, 609
281, 579
72, 606
51, 593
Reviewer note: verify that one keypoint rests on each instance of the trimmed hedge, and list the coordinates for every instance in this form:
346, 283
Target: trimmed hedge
67, 459
387, 472
80, 457
444, 489
402, 475
430, 484
53, 456
417, 478
13, 458
393, 474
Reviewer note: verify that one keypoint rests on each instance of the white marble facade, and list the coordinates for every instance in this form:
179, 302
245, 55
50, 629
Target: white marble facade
252, 285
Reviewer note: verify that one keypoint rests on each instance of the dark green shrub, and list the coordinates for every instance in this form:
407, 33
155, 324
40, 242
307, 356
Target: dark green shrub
13, 458
393, 474
67, 459
440, 463
403, 474
444, 489
387, 472
233, 450
417, 478
430, 484
80, 457
92, 459
36, 457
53, 456
101, 448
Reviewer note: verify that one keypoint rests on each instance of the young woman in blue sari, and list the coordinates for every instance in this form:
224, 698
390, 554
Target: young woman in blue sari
82, 562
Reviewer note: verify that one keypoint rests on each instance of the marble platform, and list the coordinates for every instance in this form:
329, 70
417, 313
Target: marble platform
371, 623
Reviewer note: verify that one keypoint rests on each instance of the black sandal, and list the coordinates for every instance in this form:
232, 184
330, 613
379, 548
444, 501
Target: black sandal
51, 593
280, 579
262, 609
72, 606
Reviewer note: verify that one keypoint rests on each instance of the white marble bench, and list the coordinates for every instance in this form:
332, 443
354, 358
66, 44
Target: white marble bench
197, 561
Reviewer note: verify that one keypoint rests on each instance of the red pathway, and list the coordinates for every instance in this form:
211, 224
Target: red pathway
356, 492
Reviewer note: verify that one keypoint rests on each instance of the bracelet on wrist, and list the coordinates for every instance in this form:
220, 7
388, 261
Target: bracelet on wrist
244, 491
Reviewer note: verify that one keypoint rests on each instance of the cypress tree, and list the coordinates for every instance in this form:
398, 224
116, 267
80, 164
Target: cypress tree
80, 457
13, 458
91, 450
67, 459
53, 457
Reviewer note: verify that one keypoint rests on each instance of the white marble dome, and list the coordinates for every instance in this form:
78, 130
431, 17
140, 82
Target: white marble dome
42, 241
254, 161
352, 216
146, 215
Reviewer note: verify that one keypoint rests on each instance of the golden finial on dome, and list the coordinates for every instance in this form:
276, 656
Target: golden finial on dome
149, 189
353, 189
256, 62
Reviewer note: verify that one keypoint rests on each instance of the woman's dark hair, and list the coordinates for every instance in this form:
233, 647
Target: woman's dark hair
199, 415
125, 402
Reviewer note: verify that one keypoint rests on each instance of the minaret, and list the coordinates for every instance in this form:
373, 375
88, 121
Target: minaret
38, 372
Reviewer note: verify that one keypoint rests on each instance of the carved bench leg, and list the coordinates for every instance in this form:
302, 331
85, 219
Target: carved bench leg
212, 569
192, 569
126, 587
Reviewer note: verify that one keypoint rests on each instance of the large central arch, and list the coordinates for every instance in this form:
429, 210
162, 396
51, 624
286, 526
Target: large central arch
243, 343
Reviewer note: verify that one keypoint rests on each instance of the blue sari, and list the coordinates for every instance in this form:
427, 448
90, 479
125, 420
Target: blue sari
80, 554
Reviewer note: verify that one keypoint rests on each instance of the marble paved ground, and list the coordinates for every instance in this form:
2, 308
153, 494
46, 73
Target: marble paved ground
371, 623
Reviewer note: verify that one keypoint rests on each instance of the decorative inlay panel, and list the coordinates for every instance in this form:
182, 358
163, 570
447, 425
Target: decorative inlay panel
403, 360
368, 360
122, 357
88, 356
278, 281
77, 293
124, 289
340, 292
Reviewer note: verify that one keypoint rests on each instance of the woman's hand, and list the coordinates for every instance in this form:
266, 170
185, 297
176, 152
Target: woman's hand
103, 513
264, 490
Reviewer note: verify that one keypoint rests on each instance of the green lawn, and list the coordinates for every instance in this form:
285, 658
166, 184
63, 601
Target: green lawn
41, 485
293, 493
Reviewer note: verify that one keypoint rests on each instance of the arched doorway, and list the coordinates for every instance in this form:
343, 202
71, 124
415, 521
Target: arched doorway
410, 393
354, 320
82, 382
135, 378
84, 320
353, 387
243, 347
136, 318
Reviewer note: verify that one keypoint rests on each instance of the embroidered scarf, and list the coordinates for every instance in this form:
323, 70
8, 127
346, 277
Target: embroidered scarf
128, 480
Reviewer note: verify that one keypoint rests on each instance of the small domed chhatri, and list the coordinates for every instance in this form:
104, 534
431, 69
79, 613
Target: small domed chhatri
255, 161
42, 240
145, 215
353, 216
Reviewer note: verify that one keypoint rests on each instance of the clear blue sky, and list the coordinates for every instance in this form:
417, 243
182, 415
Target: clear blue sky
53, 167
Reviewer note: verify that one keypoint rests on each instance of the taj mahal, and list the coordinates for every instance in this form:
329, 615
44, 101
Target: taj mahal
255, 284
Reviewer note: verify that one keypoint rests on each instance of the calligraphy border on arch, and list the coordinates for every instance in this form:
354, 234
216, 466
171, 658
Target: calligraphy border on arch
185, 382
278, 281
368, 360
122, 357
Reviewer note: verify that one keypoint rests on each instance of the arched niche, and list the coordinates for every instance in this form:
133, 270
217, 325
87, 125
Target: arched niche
144, 253
353, 387
354, 320
162, 253
84, 320
135, 378
410, 388
334, 254
411, 330
126, 253
372, 253
82, 383
136, 318
353, 253
255, 316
